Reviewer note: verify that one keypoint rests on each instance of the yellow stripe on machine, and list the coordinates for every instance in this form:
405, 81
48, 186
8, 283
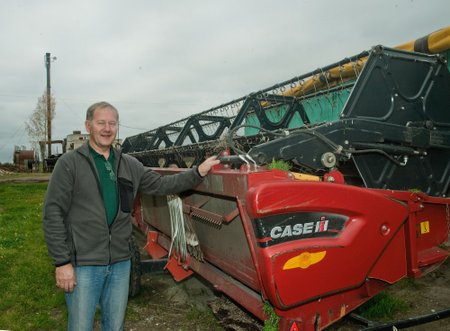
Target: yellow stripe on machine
300, 176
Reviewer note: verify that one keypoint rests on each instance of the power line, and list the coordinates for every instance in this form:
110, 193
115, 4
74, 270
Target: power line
8, 142
130, 127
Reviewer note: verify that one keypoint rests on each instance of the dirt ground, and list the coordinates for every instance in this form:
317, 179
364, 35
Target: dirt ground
24, 178
189, 305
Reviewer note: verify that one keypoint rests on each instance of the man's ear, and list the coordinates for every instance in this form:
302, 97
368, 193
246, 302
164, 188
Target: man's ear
87, 125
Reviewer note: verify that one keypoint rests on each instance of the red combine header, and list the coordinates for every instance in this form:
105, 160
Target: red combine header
363, 204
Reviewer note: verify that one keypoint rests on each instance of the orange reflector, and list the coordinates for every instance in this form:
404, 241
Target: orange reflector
304, 260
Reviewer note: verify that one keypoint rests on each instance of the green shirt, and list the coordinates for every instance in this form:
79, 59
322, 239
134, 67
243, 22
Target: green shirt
107, 177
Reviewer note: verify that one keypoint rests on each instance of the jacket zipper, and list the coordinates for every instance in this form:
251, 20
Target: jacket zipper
94, 170
110, 257
118, 204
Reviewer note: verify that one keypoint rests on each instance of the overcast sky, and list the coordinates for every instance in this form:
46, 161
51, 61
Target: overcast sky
160, 61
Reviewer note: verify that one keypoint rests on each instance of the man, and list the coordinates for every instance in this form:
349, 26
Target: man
87, 222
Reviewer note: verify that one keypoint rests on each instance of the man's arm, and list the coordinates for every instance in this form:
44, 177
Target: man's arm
154, 184
56, 205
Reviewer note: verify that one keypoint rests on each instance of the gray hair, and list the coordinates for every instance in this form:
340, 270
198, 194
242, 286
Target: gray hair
99, 105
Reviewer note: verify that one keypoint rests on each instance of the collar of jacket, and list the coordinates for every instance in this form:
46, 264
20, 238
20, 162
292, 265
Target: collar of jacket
84, 150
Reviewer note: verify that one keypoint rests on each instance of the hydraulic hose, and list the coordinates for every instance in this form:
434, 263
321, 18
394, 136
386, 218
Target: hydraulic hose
413, 321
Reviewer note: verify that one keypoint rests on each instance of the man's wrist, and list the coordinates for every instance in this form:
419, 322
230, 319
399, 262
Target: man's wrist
198, 172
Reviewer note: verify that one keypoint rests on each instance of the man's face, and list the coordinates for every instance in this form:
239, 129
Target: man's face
103, 128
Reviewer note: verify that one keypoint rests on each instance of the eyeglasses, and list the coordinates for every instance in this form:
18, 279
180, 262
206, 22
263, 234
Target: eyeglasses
103, 124
110, 170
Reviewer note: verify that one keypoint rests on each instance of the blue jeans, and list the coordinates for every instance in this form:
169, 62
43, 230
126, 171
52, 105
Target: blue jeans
104, 285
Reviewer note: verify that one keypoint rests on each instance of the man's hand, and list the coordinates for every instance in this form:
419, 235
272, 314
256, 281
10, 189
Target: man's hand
206, 166
65, 277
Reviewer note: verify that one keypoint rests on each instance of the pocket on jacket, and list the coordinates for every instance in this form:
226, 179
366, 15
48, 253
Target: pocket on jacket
126, 193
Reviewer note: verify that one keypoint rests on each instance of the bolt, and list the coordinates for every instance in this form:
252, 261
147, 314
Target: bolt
385, 230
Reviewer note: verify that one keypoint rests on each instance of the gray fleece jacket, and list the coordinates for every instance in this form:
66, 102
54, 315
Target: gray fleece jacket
74, 221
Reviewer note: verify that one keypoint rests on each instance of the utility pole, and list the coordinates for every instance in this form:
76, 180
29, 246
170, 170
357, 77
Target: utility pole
49, 106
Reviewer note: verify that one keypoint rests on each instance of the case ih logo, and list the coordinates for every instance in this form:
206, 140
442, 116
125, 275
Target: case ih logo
276, 229
299, 229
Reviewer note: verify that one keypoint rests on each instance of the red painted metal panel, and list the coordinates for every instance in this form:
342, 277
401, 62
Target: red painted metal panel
354, 251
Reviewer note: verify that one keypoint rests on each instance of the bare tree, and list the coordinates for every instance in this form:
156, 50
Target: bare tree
36, 125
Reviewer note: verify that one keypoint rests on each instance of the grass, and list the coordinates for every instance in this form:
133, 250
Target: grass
280, 165
202, 317
382, 307
29, 298
271, 323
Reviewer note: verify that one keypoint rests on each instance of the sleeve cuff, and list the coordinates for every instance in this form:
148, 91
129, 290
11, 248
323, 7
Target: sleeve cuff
198, 173
61, 264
